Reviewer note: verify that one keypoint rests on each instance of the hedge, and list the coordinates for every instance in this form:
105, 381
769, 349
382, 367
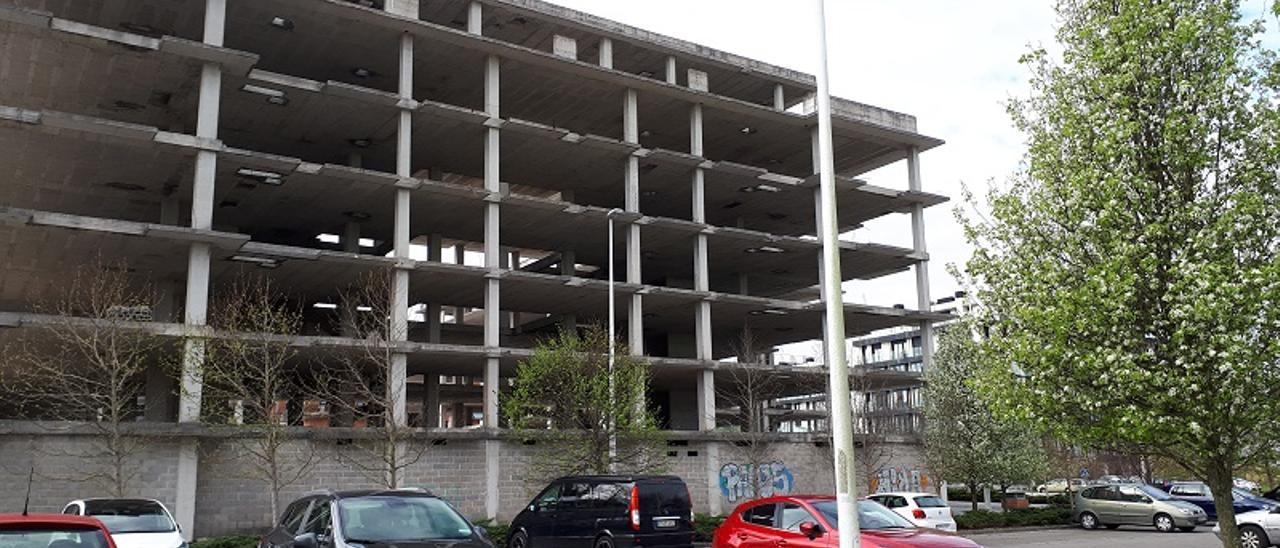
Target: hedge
983, 519
704, 527
231, 541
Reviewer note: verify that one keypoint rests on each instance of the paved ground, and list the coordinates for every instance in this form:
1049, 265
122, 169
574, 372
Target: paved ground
1125, 537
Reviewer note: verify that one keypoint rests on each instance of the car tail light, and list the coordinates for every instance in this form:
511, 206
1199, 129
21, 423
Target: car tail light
633, 508
918, 513
690, 498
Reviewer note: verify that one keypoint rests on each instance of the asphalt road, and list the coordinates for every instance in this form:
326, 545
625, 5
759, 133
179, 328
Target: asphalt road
1125, 537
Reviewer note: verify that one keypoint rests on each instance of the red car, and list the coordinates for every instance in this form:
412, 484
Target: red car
53, 531
807, 521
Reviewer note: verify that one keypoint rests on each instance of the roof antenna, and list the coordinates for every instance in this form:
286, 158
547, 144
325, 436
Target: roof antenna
27, 501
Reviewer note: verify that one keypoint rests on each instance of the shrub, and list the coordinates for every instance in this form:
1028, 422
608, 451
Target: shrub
704, 527
230, 541
497, 532
983, 519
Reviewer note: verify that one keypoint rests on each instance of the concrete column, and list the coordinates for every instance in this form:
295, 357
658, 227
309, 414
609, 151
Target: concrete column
701, 282
400, 283
672, 76
779, 97
431, 400
492, 243
459, 258
351, 237
606, 53
568, 267
631, 134
434, 254
923, 299
475, 18
197, 294
715, 504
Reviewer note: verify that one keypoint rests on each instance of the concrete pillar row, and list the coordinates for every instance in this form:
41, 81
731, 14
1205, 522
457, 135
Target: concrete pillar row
606, 53
706, 404
672, 76
196, 304
492, 260
631, 201
923, 299
399, 329
434, 254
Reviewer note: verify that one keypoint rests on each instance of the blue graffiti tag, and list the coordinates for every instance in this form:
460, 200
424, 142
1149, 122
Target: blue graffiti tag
773, 479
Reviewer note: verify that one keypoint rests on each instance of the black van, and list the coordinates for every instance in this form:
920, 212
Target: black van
606, 512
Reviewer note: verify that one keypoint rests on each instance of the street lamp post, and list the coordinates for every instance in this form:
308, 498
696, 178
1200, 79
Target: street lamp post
838, 368
613, 405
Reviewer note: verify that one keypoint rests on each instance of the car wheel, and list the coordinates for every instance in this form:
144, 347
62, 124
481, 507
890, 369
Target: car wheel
1253, 537
518, 540
1164, 523
1089, 521
604, 542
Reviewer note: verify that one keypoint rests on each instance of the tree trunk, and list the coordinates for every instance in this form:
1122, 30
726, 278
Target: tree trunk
1220, 483
973, 496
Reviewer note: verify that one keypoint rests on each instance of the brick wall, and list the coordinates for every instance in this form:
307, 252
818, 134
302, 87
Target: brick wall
232, 499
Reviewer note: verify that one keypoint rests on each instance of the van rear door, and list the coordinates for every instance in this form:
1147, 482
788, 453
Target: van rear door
665, 511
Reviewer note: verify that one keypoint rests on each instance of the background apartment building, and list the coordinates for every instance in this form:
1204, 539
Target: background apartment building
475, 149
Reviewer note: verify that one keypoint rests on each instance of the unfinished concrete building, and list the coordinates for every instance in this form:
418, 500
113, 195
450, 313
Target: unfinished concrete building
476, 148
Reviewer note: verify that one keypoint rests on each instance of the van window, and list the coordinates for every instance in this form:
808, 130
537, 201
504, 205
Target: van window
615, 496
292, 517
575, 495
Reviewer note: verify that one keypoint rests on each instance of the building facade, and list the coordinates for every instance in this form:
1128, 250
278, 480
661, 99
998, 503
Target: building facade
480, 151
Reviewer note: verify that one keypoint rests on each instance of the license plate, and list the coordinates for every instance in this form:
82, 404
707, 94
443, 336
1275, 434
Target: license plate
665, 523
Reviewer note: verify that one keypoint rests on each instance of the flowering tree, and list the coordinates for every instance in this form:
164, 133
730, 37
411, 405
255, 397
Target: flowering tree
1130, 270
963, 440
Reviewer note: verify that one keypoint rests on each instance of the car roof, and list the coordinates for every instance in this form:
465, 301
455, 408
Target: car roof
903, 494
620, 477
51, 519
357, 493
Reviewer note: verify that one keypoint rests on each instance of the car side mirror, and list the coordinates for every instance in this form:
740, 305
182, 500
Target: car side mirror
279, 537
810, 529
306, 540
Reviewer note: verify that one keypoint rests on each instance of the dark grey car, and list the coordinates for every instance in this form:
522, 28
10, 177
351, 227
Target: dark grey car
404, 518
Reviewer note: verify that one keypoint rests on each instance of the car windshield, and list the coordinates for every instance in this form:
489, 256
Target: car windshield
51, 537
400, 519
871, 516
130, 516
1154, 493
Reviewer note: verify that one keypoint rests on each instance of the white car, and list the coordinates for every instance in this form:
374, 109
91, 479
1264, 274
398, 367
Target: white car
921, 509
133, 523
1258, 529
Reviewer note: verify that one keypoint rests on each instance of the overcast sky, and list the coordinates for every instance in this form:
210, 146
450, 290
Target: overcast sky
948, 63
951, 64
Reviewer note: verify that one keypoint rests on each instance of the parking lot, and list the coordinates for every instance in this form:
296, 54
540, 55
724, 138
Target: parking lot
1075, 538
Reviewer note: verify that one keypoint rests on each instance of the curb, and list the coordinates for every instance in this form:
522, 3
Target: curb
998, 530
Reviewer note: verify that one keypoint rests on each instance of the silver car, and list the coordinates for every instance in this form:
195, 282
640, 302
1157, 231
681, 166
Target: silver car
1258, 529
1111, 506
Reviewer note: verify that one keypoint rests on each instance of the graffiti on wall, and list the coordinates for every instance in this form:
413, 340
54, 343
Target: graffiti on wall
772, 478
899, 478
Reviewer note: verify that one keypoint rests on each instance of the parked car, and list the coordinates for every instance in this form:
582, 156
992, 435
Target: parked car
1273, 494
1112, 480
1258, 529
1111, 506
1198, 493
810, 521
330, 519
1061, 485
921, 509
1249, 496
1247, 485
133, 523
605, 512
53, 531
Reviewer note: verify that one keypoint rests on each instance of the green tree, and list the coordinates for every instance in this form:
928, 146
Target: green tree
563, 398
1130, 268
963, 439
